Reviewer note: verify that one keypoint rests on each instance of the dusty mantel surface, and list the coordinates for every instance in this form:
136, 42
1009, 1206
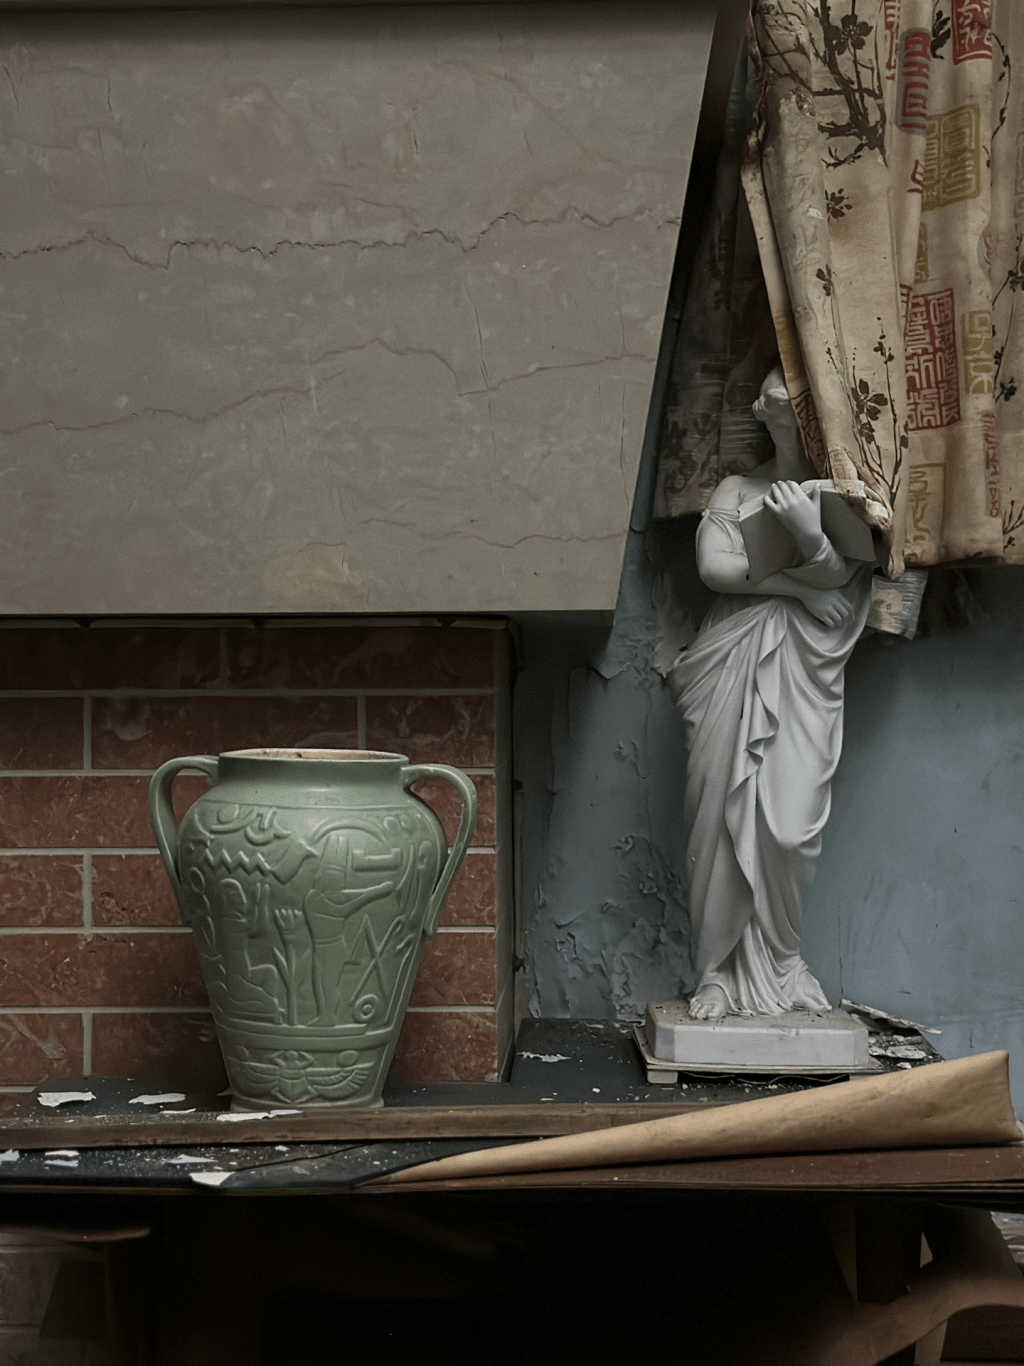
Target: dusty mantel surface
335, 309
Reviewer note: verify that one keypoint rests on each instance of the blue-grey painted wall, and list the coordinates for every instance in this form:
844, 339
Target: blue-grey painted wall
598, 751
918, 905
599, 755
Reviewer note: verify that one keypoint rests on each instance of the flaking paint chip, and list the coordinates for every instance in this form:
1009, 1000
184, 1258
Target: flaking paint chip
233, 1116
210, 1178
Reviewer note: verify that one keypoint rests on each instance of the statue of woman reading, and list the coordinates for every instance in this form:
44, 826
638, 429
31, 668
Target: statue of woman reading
761, 695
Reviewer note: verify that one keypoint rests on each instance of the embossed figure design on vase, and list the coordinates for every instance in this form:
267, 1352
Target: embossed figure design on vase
309, 879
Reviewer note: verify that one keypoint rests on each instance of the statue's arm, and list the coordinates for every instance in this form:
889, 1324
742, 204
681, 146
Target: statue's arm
821, 564
726, 570
825, 569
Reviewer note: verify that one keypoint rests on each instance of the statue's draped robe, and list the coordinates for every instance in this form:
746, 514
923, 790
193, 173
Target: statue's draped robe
761, 695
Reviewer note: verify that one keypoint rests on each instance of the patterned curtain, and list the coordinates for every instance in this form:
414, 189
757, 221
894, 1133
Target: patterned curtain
726, 342
885, 183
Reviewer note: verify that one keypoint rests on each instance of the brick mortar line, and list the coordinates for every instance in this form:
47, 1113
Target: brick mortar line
105, 1010
86, 1041
87, 891
87, 733
86, 931
131, 694
223, 654
62, 851
448, 1010
246, 621
479, 771
193, 1010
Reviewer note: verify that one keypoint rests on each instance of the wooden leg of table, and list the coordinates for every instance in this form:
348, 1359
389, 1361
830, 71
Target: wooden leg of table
888, 1253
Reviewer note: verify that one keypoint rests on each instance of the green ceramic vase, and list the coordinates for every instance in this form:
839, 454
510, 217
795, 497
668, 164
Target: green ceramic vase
309, 879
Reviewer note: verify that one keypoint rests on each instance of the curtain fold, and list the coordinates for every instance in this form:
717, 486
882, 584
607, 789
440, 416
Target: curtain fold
726, 342
885, 185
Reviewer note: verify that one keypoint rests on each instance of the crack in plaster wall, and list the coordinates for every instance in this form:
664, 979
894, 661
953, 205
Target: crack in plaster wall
412, 235
307, 390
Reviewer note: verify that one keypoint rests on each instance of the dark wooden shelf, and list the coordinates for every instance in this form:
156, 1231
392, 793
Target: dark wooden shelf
343, 1125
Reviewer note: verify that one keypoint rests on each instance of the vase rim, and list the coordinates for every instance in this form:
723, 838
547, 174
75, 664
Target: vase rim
302, 753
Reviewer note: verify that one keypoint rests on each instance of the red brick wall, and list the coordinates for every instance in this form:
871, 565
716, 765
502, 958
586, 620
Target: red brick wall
96, 974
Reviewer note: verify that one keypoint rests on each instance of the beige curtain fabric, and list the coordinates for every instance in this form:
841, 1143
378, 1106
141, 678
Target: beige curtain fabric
886, 187
726, 343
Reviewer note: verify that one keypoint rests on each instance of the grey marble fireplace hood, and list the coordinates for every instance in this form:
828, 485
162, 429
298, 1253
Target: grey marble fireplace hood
333, 309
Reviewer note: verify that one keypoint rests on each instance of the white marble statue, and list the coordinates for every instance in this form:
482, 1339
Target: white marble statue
761, 695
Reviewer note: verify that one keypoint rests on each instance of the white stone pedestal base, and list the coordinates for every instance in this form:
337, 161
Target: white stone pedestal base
799, 1041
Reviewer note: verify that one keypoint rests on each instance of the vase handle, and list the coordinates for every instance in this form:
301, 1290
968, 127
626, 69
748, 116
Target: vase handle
463, 785
161, 812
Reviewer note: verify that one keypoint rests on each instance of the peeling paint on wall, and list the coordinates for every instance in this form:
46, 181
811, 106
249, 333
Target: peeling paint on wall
602, 767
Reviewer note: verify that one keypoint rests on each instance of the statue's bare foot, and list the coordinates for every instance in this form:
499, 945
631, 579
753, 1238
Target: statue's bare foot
708, 1003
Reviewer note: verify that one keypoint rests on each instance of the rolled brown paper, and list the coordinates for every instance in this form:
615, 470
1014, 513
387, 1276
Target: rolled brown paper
965, 1103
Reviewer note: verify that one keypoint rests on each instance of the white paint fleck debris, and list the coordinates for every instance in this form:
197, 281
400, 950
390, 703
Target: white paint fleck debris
184, 1160
61, 1152
52, 1099
896, 1050
548, 1057
233, 1116
171, 1098
210, 1178
60, 1162
11, 1155
179, 1112
885, 1018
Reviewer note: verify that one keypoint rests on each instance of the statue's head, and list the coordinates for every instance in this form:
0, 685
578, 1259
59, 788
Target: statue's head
773, 407
773, 400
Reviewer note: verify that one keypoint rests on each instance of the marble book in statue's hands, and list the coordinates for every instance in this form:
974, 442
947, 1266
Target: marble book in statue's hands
771, 547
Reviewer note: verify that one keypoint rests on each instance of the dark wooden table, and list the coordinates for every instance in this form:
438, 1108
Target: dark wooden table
745, 1217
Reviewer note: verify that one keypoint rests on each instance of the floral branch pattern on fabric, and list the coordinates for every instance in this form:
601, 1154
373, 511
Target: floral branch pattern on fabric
850, 102
885, 182
901, 335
